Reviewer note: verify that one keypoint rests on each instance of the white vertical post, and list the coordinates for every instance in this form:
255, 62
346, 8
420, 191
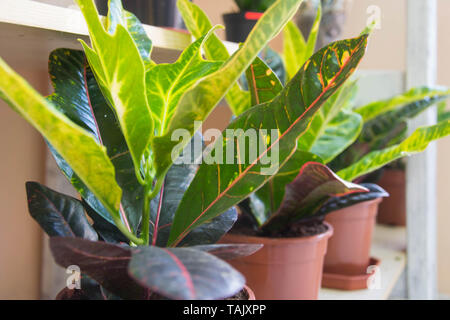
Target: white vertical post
421, 169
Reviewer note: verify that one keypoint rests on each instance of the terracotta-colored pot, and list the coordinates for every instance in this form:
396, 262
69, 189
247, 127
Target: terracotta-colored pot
285, 268
392, 210
349, 247
251, 294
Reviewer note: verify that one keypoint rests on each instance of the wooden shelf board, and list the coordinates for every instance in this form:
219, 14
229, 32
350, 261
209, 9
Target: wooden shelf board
388, 246
30, 30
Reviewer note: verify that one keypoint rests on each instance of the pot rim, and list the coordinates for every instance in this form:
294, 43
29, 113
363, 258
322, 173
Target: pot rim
270, 241
251, 294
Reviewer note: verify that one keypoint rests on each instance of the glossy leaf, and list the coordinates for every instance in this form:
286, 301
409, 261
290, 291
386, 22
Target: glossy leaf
78, 147
117, 15
104, 262
252, 5
197, 102
58, 214
106, 230
267, 200
229, 251
416, 142
288, 115
339, 133
183, 273
296, 50
198, 25
89, 290
163, 209
263, 83
314, 185
333, 129
380, 130
167, 82
338, 203
120, 72
413, 99
443, 114
78, 96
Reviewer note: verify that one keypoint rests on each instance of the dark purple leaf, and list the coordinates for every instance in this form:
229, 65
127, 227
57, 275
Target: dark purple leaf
229, 251
58, 214
337, 203
104, 262
183, 273
314, 185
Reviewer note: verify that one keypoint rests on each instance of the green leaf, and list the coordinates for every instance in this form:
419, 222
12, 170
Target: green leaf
164, 205
266, 200
78, 147
166, 83
58, 214
388, 128
120, 72
379, 131
416, 142
332, 129
340, 133
198, 25
197, 102
413, 99
77, 95
443, 114
314, 33
117, 15
296, 50
183, 273
263, 83
286, 117
310, 190
104, 262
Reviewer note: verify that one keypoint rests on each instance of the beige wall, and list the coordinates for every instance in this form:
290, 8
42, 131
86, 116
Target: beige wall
22, 159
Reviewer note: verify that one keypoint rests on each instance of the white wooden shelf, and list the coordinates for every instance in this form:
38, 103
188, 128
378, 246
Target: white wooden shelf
388, 245
30, 30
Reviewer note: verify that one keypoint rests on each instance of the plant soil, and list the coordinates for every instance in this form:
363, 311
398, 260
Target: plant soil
306, 228
241, 295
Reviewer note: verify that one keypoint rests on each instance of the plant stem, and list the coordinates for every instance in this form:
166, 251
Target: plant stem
149, 195
145, 231
119, 224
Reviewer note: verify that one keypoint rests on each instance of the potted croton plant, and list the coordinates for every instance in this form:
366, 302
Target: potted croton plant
110, 125
290, 264
386, 124
354, 142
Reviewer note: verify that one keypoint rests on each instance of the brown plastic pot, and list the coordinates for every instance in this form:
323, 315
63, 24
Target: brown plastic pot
392, 210
349, 249
285, 268
251, 294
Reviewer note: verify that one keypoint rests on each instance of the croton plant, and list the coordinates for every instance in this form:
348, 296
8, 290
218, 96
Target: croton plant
353, 141
110, 124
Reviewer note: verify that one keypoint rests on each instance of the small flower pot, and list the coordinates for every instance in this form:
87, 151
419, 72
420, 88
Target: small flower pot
393, 209
285, 268
348, 252
153, 12
238, 25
